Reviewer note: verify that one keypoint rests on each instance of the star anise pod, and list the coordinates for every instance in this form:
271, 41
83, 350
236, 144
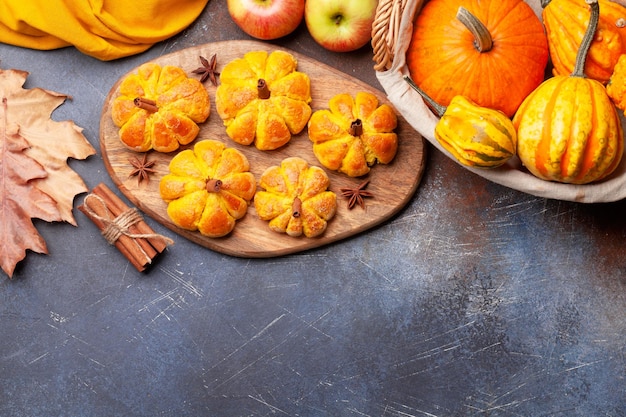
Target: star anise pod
143, 168
208, 69
356, 195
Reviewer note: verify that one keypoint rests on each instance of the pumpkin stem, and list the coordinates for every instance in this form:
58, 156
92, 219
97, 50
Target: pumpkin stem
263, 89
213, 186
296, 207
585, 44
438, 108
146, 104
482, 38
356, 128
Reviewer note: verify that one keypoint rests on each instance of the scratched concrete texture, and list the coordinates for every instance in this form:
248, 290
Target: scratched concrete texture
475, 300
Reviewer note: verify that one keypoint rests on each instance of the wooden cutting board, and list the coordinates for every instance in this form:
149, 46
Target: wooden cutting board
393, 185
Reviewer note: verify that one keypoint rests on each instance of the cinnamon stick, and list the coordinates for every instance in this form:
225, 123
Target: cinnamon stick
296, 207
123, 227
356, 128
118, 207
262, 89
120, 244
146, 104
126, 245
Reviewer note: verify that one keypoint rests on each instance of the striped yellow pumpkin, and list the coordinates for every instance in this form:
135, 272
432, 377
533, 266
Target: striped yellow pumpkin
568, 130
566, 21
476, 136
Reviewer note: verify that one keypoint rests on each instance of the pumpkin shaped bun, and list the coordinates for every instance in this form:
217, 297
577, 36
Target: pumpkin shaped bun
208, 188
263, 99
354, 133
159, 108
296, 200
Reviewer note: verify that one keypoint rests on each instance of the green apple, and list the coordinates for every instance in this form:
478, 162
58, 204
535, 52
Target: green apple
266, 19
340, 25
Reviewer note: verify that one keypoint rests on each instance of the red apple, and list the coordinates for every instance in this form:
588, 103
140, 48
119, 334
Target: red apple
340, 25
266, 19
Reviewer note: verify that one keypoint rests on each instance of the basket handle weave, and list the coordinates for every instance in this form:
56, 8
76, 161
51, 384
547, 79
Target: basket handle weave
385, 31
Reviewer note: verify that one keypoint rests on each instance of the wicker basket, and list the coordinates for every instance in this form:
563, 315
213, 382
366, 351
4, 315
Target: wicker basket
391, 35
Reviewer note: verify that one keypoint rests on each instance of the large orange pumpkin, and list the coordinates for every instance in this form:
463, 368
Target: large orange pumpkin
497, 69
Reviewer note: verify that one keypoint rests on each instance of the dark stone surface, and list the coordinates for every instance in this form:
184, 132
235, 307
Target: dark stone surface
475, 300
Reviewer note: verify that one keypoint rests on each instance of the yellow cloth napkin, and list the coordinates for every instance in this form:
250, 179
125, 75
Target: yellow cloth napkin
105, 29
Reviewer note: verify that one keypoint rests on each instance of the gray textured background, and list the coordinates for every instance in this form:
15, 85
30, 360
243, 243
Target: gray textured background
475, 300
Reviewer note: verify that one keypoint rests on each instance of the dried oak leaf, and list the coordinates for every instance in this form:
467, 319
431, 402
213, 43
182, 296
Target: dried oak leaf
36, 181
20, 199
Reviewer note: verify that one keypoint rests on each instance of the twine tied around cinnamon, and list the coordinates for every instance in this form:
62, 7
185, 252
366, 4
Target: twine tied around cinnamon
120, 225
124, 227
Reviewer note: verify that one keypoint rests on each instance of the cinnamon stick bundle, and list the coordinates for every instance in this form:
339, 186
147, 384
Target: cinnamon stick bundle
123, 227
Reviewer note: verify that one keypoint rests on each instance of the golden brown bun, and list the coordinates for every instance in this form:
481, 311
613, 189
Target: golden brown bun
271, 122
181, 103
193, 202
338, 149
295, 180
